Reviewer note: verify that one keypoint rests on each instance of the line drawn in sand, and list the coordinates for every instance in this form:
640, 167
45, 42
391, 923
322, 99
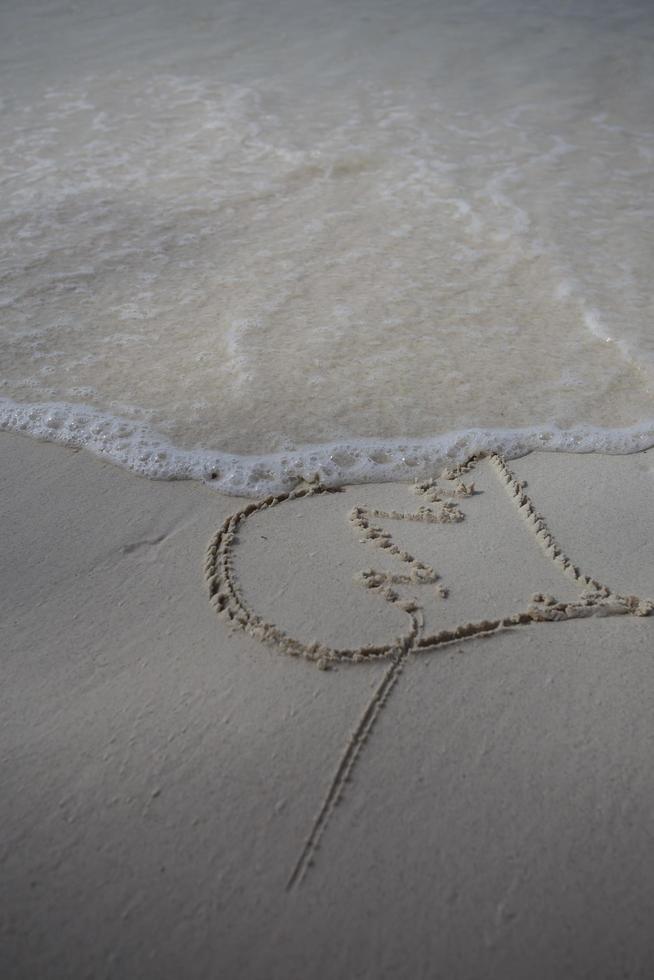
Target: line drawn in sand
444, 497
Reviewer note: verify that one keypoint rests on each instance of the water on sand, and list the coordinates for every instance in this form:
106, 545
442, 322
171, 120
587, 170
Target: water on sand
255, 240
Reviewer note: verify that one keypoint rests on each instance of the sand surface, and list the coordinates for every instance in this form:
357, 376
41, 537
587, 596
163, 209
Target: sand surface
174, 801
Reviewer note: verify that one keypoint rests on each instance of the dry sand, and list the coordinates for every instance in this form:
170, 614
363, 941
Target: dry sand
180, 799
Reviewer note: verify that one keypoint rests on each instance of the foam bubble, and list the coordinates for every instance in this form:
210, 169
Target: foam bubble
137, 447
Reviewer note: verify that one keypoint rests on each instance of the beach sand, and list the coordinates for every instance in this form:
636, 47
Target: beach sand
180, 799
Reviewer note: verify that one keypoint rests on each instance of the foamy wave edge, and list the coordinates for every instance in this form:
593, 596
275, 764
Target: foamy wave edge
138, 447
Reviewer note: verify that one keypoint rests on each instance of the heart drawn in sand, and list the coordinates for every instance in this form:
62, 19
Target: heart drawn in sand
443, 503
408, 585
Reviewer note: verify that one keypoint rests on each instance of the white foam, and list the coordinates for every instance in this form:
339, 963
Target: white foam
137, 447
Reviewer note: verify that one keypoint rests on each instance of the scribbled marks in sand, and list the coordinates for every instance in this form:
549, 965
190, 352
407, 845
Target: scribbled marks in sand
596, 599
229, 602
445, 499
346, 766
416, 572
444, 505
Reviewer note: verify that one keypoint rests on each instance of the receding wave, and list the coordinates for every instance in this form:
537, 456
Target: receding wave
258, 252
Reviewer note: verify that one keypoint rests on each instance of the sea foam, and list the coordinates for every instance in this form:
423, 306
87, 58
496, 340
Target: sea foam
136, 447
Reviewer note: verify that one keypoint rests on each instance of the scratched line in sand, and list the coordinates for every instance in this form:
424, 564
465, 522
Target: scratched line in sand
444, 497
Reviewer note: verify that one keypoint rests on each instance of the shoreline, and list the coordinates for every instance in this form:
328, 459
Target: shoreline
174, 783
136, 447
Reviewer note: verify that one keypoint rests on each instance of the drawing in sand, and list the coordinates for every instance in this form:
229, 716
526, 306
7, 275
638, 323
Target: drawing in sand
444, 504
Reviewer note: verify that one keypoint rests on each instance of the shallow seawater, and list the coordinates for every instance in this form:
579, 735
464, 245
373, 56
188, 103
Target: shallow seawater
258, 241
